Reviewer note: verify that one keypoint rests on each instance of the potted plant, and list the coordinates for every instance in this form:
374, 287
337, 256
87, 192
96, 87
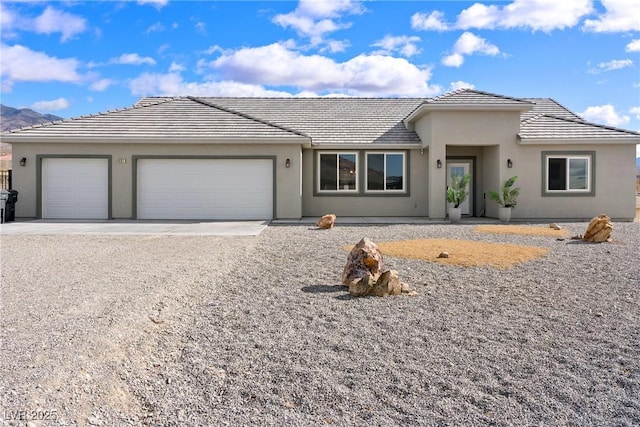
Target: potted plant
457, 194
507, 198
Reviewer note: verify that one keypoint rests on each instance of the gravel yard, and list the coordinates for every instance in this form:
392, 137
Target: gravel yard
178, 330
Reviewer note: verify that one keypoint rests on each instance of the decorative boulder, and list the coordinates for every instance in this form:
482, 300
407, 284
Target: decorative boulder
598, 230
365, 259
326, 222
366, 275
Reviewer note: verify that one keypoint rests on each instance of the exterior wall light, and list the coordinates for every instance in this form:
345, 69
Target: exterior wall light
287, 163
509, 163
439, 164
23, 161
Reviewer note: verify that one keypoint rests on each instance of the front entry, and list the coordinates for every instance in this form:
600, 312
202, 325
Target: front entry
460, 168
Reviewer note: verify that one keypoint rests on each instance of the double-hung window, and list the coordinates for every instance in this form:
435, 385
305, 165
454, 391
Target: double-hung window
568, 173
385, 172
338, 172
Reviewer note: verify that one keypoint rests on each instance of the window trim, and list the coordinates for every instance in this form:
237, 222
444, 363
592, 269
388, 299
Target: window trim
590, 156
337, 190
385, 190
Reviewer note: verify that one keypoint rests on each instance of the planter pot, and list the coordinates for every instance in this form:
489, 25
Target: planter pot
455, 214
504, 214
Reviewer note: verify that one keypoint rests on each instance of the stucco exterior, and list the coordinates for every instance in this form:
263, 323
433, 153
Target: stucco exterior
494, 136
288, 197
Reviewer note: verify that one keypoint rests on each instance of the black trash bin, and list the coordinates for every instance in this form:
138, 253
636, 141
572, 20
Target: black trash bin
10, 206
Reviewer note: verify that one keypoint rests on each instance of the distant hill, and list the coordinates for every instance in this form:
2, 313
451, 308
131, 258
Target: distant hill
13, 118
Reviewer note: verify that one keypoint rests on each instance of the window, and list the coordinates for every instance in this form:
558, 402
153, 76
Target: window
338, 172
385, 172
568, 173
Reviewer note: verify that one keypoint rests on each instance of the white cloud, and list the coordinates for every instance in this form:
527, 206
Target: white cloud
132, 59
172, 84
101, 85
19, 63
537, 15
55, 21
620, 15
406, 45
365, 75
633, 46
469, 44
158, 4
461, 85
636, 112
53, 105
157, 27
433, 21
316, 18
615, 64
175, 67
606, 114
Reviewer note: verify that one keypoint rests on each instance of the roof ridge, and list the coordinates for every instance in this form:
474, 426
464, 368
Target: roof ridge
246, 116
480, 92
532, 118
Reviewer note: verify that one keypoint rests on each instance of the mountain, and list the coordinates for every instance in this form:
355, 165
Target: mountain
12, 118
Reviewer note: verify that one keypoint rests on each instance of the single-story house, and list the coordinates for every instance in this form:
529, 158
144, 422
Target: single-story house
284, 158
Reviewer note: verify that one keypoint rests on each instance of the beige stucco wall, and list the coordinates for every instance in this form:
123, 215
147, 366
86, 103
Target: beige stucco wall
287, 187
614, 184
415, 204
492, 132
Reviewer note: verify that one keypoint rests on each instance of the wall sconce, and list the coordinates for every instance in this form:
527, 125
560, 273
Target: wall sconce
509, 163
439, 164
122, 160
287, 163
23, 161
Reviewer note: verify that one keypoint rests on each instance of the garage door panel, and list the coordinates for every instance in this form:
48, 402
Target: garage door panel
75, 188
205, 189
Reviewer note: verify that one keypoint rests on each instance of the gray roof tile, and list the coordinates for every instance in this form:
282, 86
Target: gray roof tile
327, 121
544, 126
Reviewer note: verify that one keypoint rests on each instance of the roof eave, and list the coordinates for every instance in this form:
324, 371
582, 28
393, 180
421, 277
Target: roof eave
120, 139
367, 146
574, 141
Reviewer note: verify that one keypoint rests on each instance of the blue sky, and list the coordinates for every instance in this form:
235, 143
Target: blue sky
72, 58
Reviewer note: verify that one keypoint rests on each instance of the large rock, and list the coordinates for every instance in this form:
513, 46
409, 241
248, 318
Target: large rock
366, 275
388, 283
326, 222
598, 230
365, 259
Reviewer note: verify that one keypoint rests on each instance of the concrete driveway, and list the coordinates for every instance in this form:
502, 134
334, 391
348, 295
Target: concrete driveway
130, 227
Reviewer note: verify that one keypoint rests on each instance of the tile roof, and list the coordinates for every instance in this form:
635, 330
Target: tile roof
179, 118
545, 126
333, 120
325, 121
548, 106
476, 97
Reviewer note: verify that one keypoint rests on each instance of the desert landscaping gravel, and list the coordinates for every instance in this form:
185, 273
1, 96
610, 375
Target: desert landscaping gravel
199, 331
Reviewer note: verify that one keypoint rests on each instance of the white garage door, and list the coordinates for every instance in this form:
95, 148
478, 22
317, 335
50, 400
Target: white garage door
75, 188
205, 189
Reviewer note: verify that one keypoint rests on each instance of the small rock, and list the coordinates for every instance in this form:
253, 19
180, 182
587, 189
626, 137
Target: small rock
555, 226
598, 314
560, 239
326, 222
577, 237
94, 420
443, 255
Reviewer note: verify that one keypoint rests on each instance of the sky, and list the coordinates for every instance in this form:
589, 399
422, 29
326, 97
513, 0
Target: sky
73, 58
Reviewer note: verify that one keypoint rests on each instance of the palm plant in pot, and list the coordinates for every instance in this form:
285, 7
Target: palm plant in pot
507, 198
457, 194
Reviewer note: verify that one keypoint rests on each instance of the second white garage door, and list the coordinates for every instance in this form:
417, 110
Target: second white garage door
205, 189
